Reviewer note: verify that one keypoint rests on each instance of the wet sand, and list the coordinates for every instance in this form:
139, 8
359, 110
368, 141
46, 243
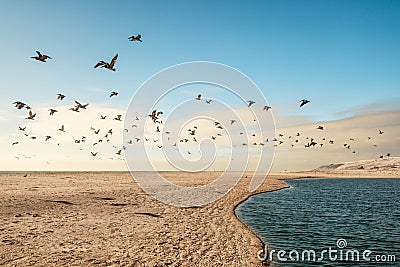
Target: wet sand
105, 219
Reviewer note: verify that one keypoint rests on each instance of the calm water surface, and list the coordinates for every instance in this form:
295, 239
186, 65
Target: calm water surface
314, 213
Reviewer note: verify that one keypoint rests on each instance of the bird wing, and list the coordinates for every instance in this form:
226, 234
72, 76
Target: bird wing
114, 60
100, 63
39, 54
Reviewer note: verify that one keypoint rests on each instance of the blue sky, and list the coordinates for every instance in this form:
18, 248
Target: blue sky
342, 55
324, 51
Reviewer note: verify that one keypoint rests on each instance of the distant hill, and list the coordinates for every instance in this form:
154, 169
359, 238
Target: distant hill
387, 163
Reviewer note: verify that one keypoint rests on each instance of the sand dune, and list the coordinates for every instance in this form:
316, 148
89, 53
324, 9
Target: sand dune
382, 164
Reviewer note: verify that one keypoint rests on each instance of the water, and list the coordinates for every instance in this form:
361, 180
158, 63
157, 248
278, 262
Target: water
314, 213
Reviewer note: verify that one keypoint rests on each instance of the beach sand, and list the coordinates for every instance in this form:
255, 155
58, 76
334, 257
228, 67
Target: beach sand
105, 219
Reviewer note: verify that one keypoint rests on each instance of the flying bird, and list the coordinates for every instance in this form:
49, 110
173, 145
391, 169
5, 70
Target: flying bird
266, 108
198, 97
251, 102
93, 154
113, 93
79, 105
47, 137
208, 101
60, 96
62, 128
135, 38
320, 127
41, 57
20, 105
22, 129
109, 66
102, 117
303, 102
118, 118
233, 121
31, 115
380, 132
52, 111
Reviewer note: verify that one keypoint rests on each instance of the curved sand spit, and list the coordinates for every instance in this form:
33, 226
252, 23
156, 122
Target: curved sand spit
105, 219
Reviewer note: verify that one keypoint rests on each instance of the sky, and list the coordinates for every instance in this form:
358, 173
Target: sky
343, 56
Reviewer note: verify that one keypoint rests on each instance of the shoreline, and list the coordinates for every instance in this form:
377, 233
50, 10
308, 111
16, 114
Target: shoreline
309, 175
286, 186
105, 218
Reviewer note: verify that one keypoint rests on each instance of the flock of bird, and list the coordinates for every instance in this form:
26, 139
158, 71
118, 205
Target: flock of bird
76, 108
293, 140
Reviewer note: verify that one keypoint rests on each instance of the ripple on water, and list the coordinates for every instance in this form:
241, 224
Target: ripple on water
314, 213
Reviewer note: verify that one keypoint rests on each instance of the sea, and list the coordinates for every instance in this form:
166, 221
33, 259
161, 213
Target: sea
327, 222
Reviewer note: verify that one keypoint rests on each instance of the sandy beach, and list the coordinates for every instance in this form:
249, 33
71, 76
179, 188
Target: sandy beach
105, 219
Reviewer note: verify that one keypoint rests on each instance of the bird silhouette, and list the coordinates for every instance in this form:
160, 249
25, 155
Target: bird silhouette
52, 111
20, 105
31, 116
380, 132
47, 137
320, 127
60, 96
232, 122
41, 57
266, 108
208, 101
251, 102
79, 105
62, 128
134, 38
106, 65
113, 93
22, 129
303, 102
118, 118
93, 154
198, 97
102, 117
